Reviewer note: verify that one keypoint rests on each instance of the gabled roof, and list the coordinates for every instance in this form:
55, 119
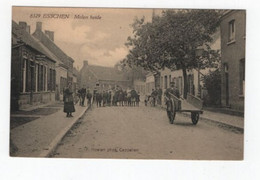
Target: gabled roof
48, 51
106, 73
22, 35
51, 46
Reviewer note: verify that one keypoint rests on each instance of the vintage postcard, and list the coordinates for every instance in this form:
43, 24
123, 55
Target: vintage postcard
127, 83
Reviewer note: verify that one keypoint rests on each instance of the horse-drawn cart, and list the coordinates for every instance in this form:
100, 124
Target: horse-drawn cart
174, 104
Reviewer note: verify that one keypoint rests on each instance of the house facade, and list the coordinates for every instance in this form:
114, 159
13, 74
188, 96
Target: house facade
64, 65
33, 74
102, 78
233, 37
149, 83
139, 86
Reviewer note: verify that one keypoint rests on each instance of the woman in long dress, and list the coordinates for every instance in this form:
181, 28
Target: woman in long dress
68, 101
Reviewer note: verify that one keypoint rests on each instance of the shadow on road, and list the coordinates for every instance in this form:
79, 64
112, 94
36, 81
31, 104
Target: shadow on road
183, 124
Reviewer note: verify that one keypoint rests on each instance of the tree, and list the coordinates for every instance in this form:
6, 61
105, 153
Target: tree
170, 41
131, 73
212, 82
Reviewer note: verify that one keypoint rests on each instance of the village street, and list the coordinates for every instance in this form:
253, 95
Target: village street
145, 133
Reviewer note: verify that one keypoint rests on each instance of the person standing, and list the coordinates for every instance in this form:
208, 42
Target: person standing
160, 96
137, 99
120, 97
172, 90
153, 95
79, 96
83, 95
89, 97
129, 98
104, 98
68, 101
133, 96
109, 95
99, 98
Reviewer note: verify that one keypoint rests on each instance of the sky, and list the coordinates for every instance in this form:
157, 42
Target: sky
99, 41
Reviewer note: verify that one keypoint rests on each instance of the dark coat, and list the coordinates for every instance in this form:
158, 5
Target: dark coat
68, 101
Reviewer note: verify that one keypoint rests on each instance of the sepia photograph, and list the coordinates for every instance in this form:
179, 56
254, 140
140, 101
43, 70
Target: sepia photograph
127, 83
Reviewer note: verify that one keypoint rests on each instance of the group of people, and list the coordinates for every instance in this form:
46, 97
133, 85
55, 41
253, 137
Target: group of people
155, 97
117, 97
84, 94
112, 97
69, 100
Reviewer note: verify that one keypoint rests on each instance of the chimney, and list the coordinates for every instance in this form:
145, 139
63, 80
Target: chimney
39, 26
50, 35
24, 26
85, 63
28, 29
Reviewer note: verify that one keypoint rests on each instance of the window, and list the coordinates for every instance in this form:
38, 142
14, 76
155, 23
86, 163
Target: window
36, 77
24, 75
242, 76
232, 30
180, 85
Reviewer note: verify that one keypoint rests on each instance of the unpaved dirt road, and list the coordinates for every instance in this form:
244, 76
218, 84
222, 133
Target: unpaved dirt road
145, 133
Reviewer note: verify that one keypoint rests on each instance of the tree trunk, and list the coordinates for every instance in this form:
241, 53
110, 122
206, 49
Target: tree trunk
185, 83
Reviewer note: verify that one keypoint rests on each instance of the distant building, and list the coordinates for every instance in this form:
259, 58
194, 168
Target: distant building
233, 37
102, 78
76, 78
149, 83
32, 69
139, 86
64, 65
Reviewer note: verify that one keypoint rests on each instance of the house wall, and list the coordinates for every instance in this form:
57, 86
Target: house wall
87, 78
139, 86
27, 79
61, 81
149, 84
232, 52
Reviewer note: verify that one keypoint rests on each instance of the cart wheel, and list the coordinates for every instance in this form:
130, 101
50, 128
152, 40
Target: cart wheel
171, 112
195, 117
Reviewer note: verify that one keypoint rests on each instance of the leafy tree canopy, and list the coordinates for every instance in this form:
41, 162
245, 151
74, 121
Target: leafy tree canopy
171, 40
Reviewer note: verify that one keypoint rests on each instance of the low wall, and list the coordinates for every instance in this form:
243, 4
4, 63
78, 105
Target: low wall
25, 100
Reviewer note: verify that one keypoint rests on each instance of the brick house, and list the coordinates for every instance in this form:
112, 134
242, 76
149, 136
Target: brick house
32, 70
103, 78
64, 65
233, 35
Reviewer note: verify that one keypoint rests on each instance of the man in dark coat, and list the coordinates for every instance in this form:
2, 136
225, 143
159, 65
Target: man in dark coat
109, 96
133, 96
120, 97
172, 90
154, 96
137, 99
68, 101
115, 98
99, 99
104, 98
159, 96
79, 96
89, 97
125, 98
83, 95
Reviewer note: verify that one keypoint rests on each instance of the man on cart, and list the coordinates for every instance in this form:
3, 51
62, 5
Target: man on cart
172, 90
